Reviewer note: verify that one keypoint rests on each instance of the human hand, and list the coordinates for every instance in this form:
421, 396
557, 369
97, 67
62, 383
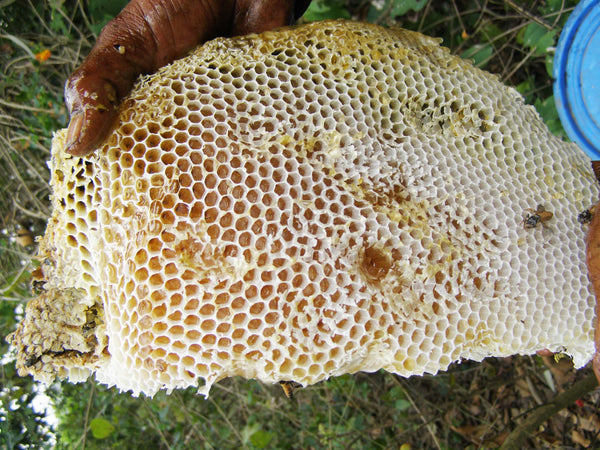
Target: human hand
145, 36
593, 264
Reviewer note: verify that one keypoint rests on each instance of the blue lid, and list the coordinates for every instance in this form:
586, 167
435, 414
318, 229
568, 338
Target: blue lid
577, 77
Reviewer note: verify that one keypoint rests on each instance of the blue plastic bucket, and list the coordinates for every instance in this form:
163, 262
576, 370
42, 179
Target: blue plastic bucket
577, 77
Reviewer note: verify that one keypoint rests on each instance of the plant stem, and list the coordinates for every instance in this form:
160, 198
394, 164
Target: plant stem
516, 439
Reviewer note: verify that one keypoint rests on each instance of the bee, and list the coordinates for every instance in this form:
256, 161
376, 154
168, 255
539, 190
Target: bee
31, 360
586, 216
289, 387
558, 357
540, 215
38, 287
38, 282
90, 319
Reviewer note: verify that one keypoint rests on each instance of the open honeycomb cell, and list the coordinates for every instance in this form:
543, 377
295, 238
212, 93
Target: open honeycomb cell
306, 203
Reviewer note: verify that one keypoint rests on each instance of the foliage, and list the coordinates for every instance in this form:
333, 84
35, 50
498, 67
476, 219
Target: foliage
21, 426
325, 10
391, 9
470, 405
101, 11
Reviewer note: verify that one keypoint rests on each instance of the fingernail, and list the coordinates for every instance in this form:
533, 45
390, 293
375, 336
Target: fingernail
74, 130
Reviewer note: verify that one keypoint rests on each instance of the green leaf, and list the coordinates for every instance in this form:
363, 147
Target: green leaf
101, 428
402, 405
99, 9
538, 38
554, 5
490, 31
102, 11
324, 10
547, 109
403, 6
248, 431
526, 88
394, 8
57, 23
261, 438
550, 64
557, 9
479, 53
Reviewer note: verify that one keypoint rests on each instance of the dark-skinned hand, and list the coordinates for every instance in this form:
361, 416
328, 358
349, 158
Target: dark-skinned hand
145, 36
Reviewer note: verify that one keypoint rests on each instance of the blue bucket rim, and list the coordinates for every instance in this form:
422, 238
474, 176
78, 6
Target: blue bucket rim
568, 96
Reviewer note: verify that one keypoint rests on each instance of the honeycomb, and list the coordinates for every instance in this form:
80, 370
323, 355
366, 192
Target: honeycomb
310, 202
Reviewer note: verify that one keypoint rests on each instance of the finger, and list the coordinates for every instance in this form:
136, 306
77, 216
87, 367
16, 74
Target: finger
596, 169
145, 36
596, 365
593, 264
300, 7
256, 16
92, 102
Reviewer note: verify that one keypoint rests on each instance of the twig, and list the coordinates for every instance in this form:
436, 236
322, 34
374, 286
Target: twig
15, 281
425, 14
384, 14
520, 64
33, 169
38, 215
458, 16
86, 418
42, 21
15, 40
194, 431
155, 423
42, 212
425, 421
26, 107
69, 19
516, 439
87, 23
535, 394
530, 16
226, 419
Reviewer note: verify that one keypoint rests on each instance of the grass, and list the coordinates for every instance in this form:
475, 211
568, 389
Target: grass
471, 405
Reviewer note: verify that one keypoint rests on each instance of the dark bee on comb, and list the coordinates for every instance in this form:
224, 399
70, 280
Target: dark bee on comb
289, 387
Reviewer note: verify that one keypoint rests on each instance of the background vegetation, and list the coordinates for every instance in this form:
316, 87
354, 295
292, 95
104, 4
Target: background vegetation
471, 405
